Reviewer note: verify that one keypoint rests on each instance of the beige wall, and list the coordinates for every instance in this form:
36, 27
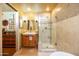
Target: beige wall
0, 30
53, 30
67, 35
18, 38
65, 28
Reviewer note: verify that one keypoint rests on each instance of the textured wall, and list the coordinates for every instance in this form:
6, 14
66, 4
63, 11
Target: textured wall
67, 10
67, 35
0, 30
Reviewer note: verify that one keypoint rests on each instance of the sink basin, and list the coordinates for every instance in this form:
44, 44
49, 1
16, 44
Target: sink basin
29, 33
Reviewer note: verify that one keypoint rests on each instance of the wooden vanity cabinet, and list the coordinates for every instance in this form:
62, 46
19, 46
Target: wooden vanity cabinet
29, 41
8, 43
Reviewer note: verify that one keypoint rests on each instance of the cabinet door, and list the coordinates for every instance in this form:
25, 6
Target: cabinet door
32, 40
35, 40
25, 40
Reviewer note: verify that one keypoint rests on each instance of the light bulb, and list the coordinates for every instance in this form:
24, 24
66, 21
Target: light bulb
29, 9
47, 9
58, 9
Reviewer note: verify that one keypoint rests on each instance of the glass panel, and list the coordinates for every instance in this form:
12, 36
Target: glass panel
44, 31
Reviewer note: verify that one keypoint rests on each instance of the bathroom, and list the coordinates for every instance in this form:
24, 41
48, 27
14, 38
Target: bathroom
39, 29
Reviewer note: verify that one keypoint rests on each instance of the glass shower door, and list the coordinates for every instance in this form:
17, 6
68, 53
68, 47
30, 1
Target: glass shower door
45, 38
44, 35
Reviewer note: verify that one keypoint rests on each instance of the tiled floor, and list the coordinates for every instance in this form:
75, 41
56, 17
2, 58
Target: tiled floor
27, 52
33, 52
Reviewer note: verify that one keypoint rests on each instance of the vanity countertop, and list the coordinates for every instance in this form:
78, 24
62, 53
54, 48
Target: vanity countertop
29, 33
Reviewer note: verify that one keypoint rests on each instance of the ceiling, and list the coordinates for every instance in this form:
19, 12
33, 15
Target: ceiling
6, 8
35, 7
